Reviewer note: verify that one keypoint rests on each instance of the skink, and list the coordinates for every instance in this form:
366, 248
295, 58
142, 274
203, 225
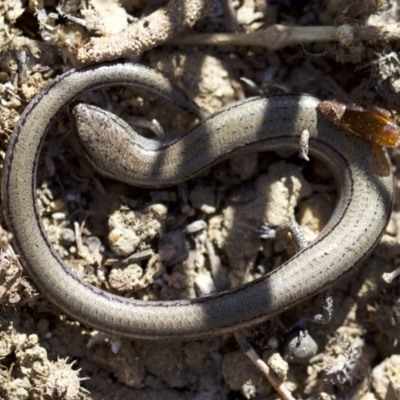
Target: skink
365, 196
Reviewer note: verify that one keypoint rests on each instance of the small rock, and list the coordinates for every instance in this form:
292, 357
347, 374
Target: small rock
172, 248
386, 379
203, 198
204, 285
67, 237
300, 347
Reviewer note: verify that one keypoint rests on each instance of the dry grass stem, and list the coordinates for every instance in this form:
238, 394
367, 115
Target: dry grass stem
279, 36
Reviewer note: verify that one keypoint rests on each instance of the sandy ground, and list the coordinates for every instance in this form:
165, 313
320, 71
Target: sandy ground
95, 223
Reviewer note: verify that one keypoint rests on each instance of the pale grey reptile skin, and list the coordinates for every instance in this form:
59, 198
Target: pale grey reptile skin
362, 212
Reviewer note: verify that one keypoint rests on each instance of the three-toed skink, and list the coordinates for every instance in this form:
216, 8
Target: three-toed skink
365, 196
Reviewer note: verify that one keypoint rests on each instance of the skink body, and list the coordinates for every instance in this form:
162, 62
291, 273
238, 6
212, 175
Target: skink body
365, 196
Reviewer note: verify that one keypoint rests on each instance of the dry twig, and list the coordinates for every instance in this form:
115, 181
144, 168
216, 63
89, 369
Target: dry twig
278, 36
157, 28
263, 367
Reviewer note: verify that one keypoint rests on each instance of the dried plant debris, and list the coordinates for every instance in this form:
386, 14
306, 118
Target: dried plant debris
200, 238
342, 370
31, 374
58, 380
